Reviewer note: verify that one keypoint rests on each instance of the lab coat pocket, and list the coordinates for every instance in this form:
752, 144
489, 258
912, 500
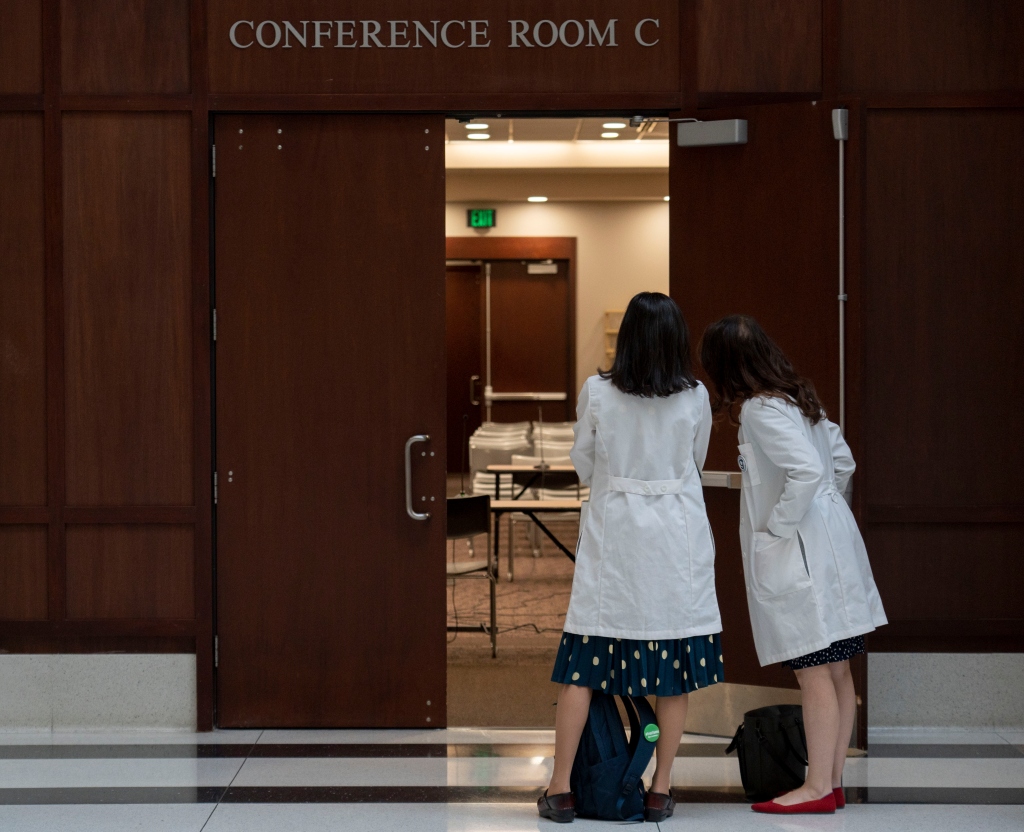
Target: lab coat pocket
778, 565
584, 510
748, 465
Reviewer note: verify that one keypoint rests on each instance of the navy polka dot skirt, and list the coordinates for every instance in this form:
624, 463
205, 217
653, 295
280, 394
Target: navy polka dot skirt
663, 667
837, 651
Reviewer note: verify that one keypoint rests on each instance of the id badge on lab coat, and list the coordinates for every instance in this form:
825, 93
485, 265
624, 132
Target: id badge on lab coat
748, 465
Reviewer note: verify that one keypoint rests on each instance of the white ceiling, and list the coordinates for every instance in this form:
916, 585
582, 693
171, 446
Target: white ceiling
554, 130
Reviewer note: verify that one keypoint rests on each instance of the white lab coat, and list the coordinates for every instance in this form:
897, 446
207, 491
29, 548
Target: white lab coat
809, 582
645, 561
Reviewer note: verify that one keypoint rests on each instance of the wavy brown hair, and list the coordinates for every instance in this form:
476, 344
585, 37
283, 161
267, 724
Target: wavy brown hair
742, 362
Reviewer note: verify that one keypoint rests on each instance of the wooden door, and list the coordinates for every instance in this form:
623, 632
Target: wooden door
329, 356
464, 331
754, 230
531, 340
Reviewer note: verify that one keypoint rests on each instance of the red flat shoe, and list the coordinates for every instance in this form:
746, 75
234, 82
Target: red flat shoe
840, 796
824, 806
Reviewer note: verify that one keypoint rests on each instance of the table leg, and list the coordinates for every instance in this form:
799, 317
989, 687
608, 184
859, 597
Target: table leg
552, 537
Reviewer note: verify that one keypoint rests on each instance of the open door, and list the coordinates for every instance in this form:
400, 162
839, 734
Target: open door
329, 357
754, 230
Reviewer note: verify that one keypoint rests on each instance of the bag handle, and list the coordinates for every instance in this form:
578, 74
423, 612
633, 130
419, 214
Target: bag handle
736, 740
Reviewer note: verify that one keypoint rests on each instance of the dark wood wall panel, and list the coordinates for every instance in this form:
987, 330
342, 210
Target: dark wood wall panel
22, 314
21, 46
23, 573
130, 572
127, 275
960, 572
931, 45
944, 294
626, 67
758, 46
943, 408
125, 46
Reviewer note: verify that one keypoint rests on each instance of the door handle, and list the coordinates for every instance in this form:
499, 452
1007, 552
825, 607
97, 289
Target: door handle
472, 390
412, 440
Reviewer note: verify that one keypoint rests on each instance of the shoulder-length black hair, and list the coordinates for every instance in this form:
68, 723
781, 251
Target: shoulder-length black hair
742, 362
652, 353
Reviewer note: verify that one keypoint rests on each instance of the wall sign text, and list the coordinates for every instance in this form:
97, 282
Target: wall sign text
438, 34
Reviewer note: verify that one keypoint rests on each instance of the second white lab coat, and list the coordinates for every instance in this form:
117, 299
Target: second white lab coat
808, 579
645, 561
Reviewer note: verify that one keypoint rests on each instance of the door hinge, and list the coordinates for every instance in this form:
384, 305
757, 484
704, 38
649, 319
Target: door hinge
215, 488
216, 651
214, 161
214, 324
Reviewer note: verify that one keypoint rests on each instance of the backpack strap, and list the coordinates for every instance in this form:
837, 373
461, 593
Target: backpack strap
641, 749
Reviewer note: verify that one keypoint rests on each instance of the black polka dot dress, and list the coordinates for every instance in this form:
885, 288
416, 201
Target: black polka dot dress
662, 667
837, 651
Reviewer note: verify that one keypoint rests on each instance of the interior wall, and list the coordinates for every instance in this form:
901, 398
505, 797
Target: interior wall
622, 249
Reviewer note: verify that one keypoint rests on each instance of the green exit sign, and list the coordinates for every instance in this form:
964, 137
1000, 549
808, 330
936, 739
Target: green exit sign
481, 217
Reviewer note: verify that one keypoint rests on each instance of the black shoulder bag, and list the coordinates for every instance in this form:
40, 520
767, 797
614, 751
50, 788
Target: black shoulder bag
772, 751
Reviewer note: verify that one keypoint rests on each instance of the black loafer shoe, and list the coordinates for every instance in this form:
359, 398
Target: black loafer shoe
561, 808
658, 806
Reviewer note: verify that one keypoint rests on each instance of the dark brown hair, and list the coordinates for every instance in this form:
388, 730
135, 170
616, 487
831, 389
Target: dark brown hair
742, 362
652, 353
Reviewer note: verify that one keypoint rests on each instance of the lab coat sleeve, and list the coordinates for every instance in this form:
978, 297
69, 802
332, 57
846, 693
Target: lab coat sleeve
842, 460
585, 431
782, 441
703, 433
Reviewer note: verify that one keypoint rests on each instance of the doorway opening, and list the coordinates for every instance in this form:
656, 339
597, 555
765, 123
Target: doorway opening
552, 225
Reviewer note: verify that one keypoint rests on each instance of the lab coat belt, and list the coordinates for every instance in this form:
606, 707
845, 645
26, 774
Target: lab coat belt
646, 487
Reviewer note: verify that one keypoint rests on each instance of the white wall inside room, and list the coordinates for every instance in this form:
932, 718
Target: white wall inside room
621, 249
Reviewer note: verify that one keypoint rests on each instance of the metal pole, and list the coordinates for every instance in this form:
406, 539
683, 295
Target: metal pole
842, 289
487, 346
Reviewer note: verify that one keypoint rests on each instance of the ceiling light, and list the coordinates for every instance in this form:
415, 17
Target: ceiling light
609, 135
476, 125
613, 125
666, 199
478, 136
536, 199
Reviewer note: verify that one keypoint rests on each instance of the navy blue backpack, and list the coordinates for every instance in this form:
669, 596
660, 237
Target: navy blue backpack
606, 774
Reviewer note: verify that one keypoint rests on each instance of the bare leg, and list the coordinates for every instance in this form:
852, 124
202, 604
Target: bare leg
570, 717
671, 712
846, 696
821, 724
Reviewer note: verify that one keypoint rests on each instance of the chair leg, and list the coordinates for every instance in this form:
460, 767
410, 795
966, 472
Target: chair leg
493, 575
511, 551
511, 546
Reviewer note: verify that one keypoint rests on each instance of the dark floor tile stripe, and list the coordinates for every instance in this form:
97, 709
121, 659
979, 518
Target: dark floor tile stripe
382, 794
382, 750
913, 750
127, 795
967, 796
111, 752
456, 794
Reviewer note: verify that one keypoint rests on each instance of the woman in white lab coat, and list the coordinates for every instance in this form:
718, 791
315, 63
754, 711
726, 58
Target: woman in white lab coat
809, 585
643, 616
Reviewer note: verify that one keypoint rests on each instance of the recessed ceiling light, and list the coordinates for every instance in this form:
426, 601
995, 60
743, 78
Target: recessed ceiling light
536, 199
609, 135
613, 125
666, 199
478, 136
476, 125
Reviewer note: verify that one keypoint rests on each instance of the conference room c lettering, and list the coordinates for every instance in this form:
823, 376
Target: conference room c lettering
437, 34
